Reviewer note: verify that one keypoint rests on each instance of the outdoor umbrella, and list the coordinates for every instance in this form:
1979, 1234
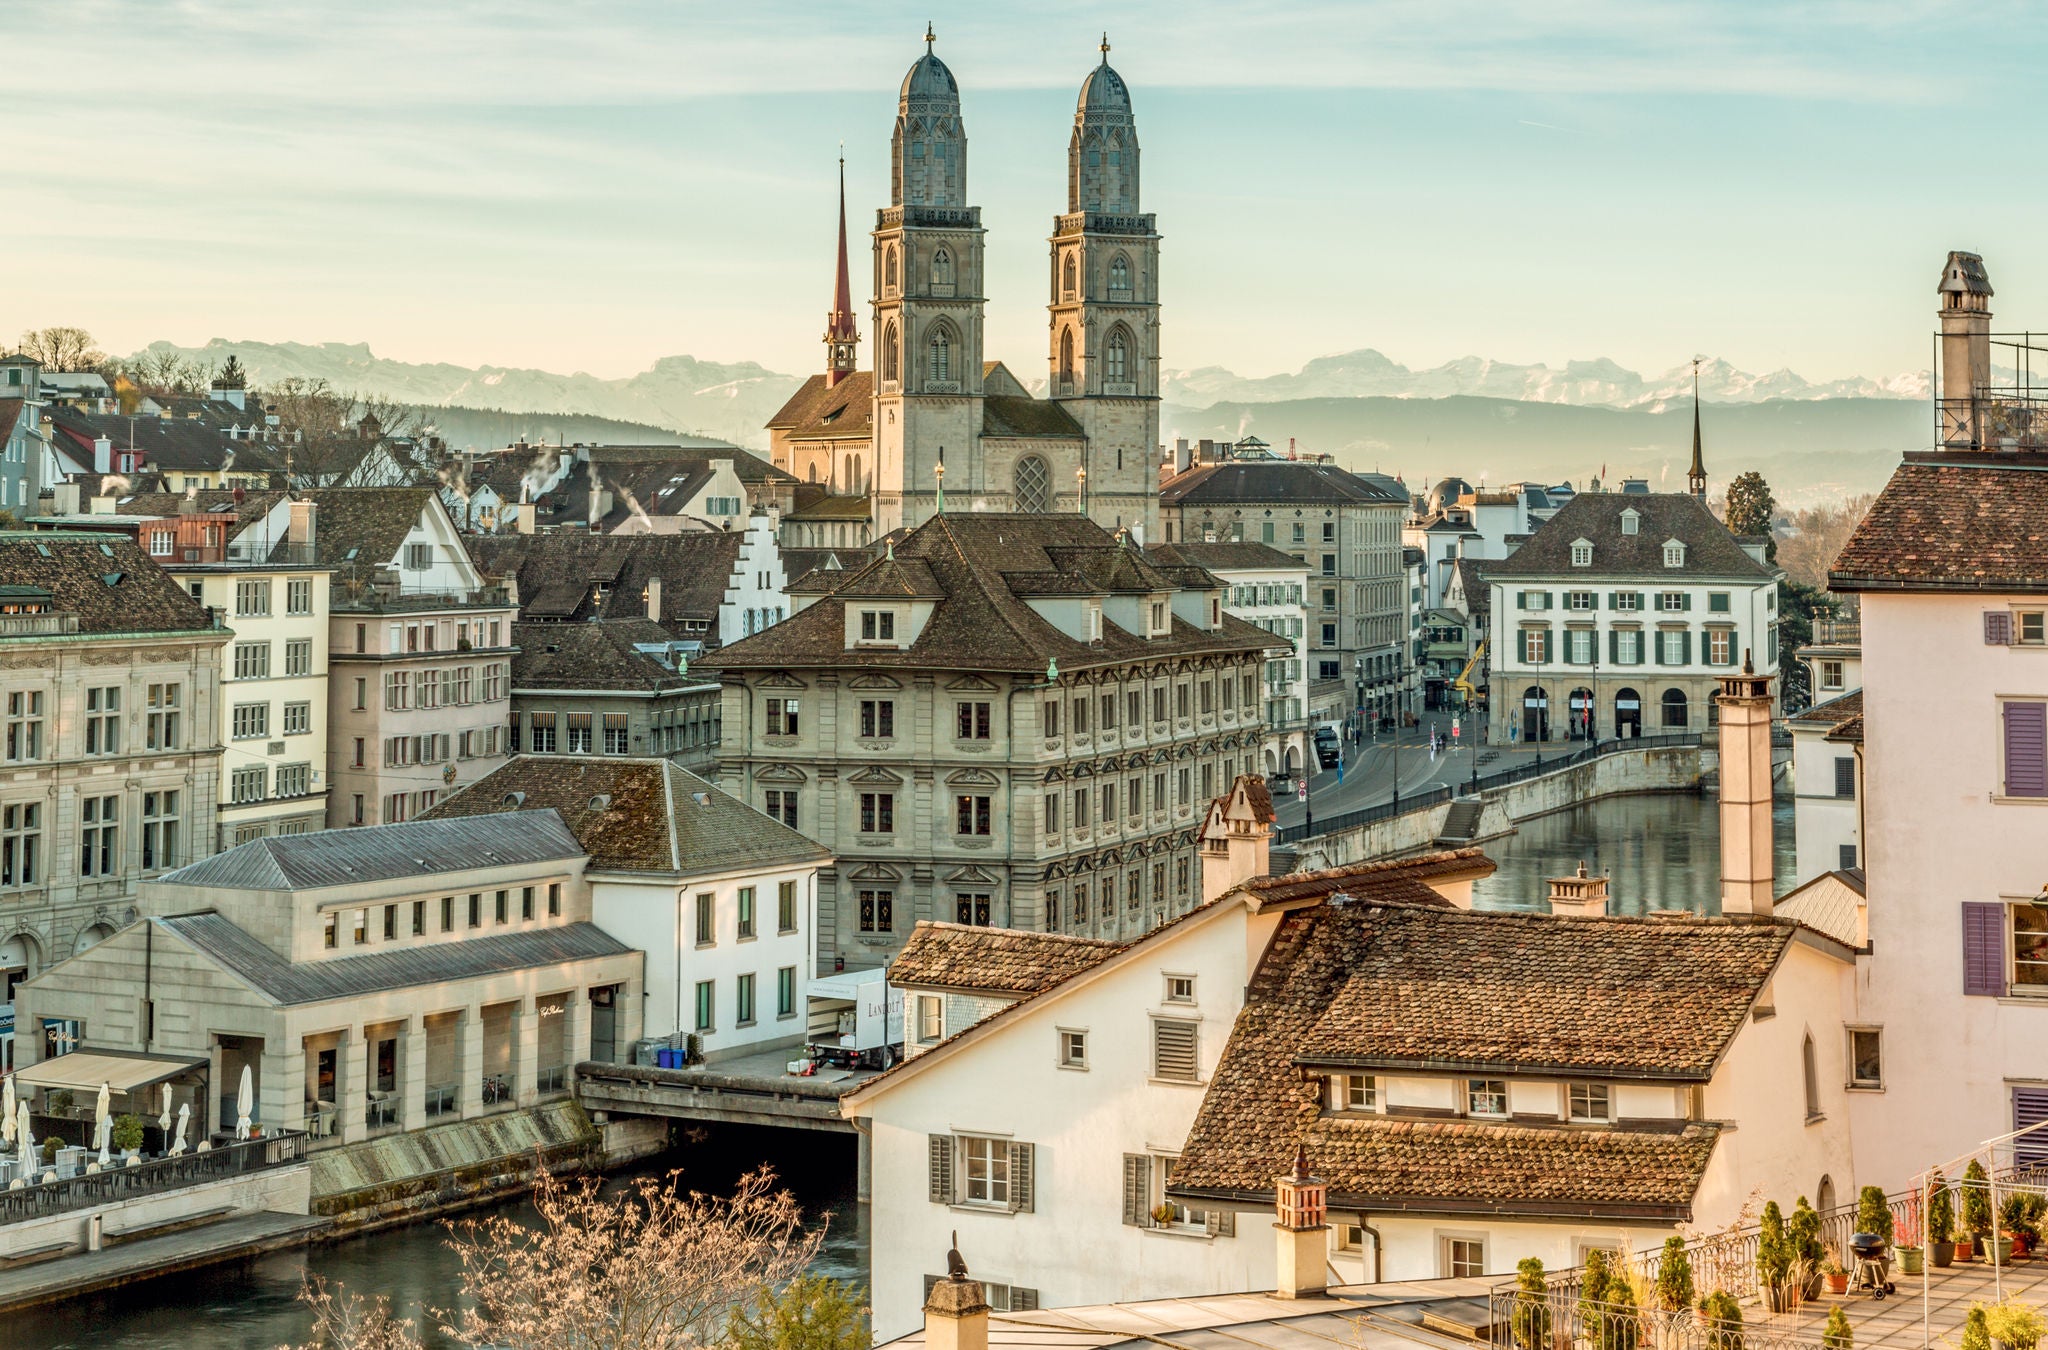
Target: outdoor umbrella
245, 1104
184, 1114
7, 1110
163, 1122
26, 1140
103, 1120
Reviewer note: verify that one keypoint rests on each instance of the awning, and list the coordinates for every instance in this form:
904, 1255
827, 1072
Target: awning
85, 1070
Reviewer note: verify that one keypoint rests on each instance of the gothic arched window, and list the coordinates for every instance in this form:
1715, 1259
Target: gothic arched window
1116, 359
1119, 273
939, 355
889, 346
942, 268
1067, 278
1033, 485
1811, 1072
1066, 356
889, 268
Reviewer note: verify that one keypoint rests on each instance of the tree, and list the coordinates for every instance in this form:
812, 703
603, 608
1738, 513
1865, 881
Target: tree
63, 349
1674, 1276
1815, 536
1594, 1292
1532, 1305
811, 1313
1773, 1249
1874, 1212
327, 431
1836, 1335
1798, 606
1619, 1329
1750, 507
159, 370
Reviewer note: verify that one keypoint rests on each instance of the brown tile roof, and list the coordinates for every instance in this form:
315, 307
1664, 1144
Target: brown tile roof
1274, 480
10, 412
637, 815
1710, 550
1849, 732
366, 526
103, 578
1227, 555
1008, 415
992, 960
817, 411
1392, 880
1953, 524
1832, 713
974, 560
597, 655
557, 575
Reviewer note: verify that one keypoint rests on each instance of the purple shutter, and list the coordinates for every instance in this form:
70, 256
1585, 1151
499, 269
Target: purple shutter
1997, 627
2030, 1108
2026, 749
1984, 948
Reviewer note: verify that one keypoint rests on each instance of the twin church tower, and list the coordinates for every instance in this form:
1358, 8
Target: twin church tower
933, 416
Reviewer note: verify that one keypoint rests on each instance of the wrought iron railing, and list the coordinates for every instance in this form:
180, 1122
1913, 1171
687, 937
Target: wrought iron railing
442, 1099
153, 1177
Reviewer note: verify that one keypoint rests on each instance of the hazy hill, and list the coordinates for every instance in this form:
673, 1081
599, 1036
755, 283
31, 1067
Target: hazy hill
489, 428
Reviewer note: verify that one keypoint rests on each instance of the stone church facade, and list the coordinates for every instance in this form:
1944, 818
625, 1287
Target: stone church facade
934, 415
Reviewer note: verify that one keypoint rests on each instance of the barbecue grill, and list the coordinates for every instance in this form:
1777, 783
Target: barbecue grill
1873, 1264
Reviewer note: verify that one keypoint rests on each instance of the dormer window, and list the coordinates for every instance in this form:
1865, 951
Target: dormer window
1582, 553
1674, 553
1215, 612
1630, 521
1158, 618
877, 625
1094, 621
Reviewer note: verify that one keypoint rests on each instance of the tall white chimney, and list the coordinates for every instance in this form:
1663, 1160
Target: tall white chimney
1747, 861
1965, 347
654, 598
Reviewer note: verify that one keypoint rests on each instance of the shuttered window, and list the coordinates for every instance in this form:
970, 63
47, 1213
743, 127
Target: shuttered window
1997, 627
1845, 775
1174, 1043
1138, 1190
2026, 749
1984, 948
2030, 1107
996, 1173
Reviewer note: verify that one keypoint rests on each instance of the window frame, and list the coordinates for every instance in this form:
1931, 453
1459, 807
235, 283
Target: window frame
1852, 1079
1577, 1115
1477, 1088
1073, 1048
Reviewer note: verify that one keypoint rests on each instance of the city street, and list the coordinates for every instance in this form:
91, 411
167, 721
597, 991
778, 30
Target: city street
1367, 779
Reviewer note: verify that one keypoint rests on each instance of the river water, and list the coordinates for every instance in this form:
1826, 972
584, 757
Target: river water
1663, 852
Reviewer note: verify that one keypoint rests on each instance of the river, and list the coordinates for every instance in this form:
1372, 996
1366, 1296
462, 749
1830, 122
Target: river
1663, 852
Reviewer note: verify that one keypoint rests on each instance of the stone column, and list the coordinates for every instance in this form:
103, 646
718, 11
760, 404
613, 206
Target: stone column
352, 1093
412, 1073
631, 1009
576, 1035
280, 1086
469, 1062
525, 1052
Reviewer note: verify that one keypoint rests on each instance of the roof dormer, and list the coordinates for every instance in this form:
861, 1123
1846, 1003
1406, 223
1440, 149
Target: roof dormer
1582, 553
1631, 521
1674, 553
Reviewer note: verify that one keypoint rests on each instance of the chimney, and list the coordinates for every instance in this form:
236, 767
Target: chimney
104, 504
299, 531
64, 499
1183, 456
523, 517
654, 598
1965, 348
956, 1311
1300, 1202
102, 455
1578, 893
1237, 837
1746, 862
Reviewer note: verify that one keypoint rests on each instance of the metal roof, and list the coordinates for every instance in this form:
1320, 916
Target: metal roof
384, 853
282, 981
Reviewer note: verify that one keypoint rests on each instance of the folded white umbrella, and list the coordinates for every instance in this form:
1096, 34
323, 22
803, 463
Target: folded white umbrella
245, 1104
23, 1137
7, 1110
163, 1121
184, 1115
103, 1120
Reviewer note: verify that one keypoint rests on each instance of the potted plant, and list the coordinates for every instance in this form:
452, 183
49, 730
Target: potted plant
2013, 1325
127, 1135
1976, 1334
1531, 1321
51, 1143
1837, 1335
1803, 1228
1162, 1214
1837, 1278
1906, 1238
1619, 1327
1593, 1296
1674, 1277
2018, 1226
1774, 1262
1941, 1221
1724, 1321
1976, 1207
1874, 1213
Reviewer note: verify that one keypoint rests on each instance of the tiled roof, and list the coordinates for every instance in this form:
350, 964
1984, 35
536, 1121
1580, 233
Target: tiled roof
1391, 880
366, 527
827, 506
1710, 550
991, 960
634, 815
1832, 713
413, 848
164, 442
595, 655
10, 413
1953, 524
557, 572
1008, 415
103, 578
816, 410
799, 563
250, 506
979, 562
287, 982
1273, 480
1849, 731
1228, 555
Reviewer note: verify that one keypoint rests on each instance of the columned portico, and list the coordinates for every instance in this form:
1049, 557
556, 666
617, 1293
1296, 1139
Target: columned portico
469, 1063
525, 1052
412, 1073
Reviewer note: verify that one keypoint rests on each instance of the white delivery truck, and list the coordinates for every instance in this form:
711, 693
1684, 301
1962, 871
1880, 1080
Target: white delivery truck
856, 1020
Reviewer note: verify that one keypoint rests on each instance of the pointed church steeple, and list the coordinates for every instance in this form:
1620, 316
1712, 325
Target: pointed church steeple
1696, 476
842, 338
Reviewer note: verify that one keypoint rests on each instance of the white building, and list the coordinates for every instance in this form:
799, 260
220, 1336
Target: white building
1827, 784
1618, 618
1266, 587
722, 900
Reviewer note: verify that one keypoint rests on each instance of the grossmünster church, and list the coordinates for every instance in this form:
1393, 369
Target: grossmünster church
934, 414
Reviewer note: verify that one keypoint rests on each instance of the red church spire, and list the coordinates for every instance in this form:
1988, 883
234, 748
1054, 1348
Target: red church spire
842, 339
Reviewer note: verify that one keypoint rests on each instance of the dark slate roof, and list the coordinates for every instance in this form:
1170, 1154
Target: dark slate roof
557, 574
164, 442
1008, 415
831, 506
816, 411
1236, 481
634, 815
982, 564
1227, 555
369, 523
596, 655
248, 506
414, 848
1710, 550
103, 578
992, 960
1472, 576
286, 982
798, 563
1953, 524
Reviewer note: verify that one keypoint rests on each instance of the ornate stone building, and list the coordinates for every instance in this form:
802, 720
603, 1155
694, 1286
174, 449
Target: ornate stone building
935, 414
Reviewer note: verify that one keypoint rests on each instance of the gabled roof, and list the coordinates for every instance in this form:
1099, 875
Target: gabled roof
165, 442
1953, 524
103, 578
367, 526
413, 848
557, 573
1832, 713
991, 960
1235, 481
601, 654
819, 411
1227, 555
1008, 415
1710, 550
633, 815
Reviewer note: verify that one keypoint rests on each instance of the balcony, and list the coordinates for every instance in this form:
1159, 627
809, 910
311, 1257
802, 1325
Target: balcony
38, 625
153, 1177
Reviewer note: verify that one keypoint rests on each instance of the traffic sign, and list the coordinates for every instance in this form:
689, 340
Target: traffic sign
1301, 790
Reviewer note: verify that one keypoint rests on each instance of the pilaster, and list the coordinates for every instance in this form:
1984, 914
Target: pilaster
412, 1074
352, 1093
525, 1052
469, 1062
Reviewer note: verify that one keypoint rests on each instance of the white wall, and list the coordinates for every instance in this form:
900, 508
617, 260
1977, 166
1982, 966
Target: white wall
754, 597
1823, 822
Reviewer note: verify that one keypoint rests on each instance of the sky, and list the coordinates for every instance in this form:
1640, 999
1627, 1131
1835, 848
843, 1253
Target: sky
591, 186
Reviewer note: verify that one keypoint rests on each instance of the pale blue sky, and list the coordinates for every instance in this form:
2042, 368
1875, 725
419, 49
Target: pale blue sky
593, 185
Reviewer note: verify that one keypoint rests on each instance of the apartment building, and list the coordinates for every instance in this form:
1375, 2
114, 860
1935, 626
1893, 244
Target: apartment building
611, 687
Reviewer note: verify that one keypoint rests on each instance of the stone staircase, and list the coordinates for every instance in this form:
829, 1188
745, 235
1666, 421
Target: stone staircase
1461, 823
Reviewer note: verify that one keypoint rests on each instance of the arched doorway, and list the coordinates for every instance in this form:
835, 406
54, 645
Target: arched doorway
1535, 713
20, 957
1582, 714
1673, 710
1294, 761
1628, 714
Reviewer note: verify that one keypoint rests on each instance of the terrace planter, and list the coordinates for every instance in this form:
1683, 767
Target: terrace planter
1911, 1260
1781, 1298
1944, 1254
1838, 1282
1965, 1252
2004, 1253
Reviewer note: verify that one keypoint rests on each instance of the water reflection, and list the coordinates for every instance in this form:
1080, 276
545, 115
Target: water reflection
254, 1306
1663, 851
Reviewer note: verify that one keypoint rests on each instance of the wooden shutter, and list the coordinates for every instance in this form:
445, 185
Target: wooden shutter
1138, 1190
1984, 948
1685, 649
1685, 601
1845, 776
2026, 749
1221, 1222
1521, 599
1022, 1168
1998, 627
1173, 1049
1022, 1299
2030, 1107
940, 1172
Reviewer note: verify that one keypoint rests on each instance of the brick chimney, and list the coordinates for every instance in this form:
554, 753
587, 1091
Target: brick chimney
1746, 855
956, 1311
1578, 893
1237, 837
1301, 1203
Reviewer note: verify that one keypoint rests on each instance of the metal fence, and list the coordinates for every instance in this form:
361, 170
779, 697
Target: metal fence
1486, 782
1546, 1321
153, 1177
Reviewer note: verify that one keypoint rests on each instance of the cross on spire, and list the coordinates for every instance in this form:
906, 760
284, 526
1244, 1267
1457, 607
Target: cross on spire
1105, 47
929, 36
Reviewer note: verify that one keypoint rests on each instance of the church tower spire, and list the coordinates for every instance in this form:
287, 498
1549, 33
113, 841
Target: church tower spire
1696, 476
842, 338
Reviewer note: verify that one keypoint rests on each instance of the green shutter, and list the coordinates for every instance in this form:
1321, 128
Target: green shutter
1639, 602
1521, 599
1685, 601
1685, 649
1613, 647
